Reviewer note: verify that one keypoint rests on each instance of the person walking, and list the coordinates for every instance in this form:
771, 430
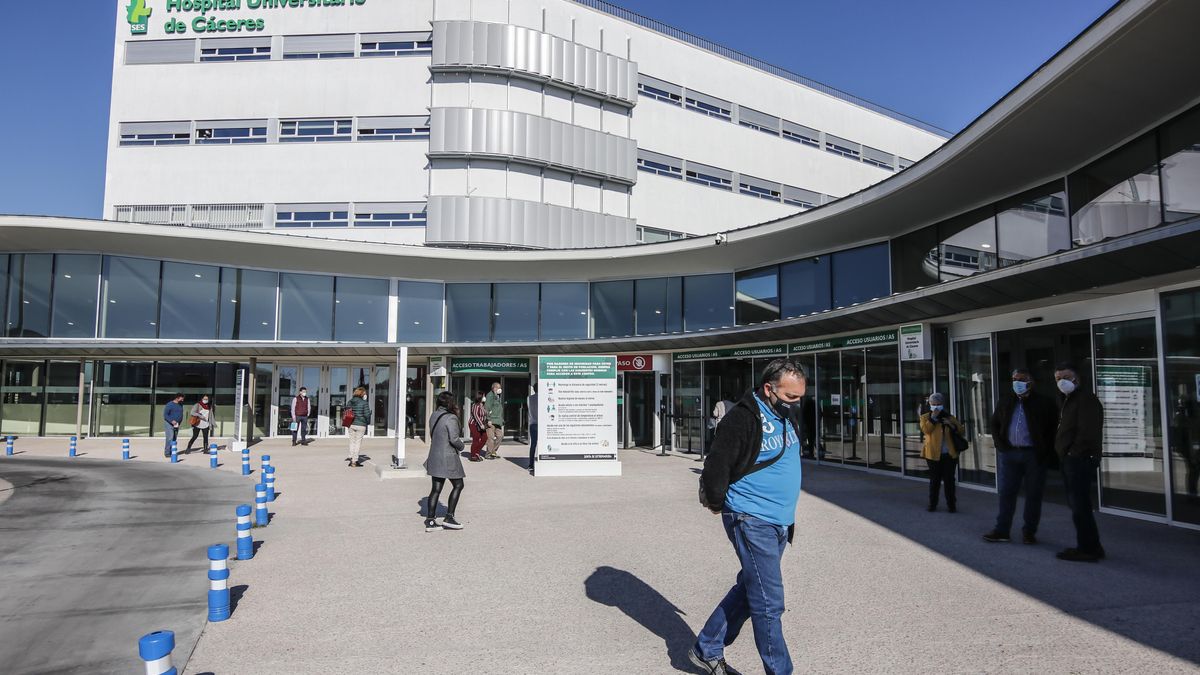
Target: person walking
1022, 428
358, 425
478, 426
301, 411
939, 452
751, 478
172, 418
201, 420
1079, 442
494, 405
444, 462
534, 412
720, 410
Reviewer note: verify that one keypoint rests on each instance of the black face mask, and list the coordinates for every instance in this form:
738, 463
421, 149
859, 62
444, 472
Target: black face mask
781, 407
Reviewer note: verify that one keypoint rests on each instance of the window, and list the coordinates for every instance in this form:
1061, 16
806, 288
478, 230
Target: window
247, 304
231, 133
312, 215
662, 165
757, 295
396, 44
76, 284
612, 309
707, 302
129, 304
227, 216
161, 214
396, 214
967, 244
709, 175
1116, 195
1033, 224
155, 133
360, 310
758, 121
419, 311
878, 158
468, 312
915, 260
160, 51
190, 299
235, 49
393, 128
305, 307
315, 131
564, 311
660, 90
1180, 140
756, 187
318, 46
800, 197
709, 105
652, 235
801, 134
659, 305
29, 278
841, 146
860, 275
804, 287
514, 312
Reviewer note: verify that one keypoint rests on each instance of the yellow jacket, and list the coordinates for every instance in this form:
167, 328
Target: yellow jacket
934, 431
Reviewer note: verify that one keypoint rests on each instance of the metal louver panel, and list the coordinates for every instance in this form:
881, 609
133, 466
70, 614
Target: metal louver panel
494, 221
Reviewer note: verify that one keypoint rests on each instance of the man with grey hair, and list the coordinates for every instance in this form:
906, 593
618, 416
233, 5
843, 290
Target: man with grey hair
751, 479
1022, 428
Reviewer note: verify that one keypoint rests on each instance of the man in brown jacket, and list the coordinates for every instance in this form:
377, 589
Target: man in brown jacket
1079, 443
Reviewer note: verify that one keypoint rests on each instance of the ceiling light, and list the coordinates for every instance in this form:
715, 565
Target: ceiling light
66, 276
416, 323
360, 323
986, 245
264, 323
197, 276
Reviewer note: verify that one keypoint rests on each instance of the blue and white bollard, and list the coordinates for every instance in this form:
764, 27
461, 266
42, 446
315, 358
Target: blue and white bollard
245, 461
218, 582
124, 448
266, 461
245, 545
260, 505
155, 649
8, 445
71, 450
174, 452
270, 481
212, 455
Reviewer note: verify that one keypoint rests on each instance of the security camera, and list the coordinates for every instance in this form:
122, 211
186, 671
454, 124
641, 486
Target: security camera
720, 239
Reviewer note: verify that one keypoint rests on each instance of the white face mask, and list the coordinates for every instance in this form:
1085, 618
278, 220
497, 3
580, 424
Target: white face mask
1066, 386
204, 400
499, 391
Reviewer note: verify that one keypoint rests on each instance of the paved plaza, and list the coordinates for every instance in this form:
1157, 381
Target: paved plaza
574, 575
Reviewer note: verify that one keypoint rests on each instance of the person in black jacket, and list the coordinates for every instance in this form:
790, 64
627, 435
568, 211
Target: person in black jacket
1022, 428
1079, 442
751, 478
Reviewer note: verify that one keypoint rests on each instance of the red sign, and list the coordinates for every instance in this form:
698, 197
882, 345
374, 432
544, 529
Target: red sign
635, 362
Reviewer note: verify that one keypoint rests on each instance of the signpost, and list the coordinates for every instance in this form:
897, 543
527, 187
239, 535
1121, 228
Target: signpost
578, 423
915, 344
239, 403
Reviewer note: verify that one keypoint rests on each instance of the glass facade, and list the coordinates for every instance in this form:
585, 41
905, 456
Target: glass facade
29, 279
612, 309
757, 293
658, 305
419, 311
468, 312
360, 310
967, 245
564, 311
973, 404
190, 295
247, 304
515, 312
1180, 166
707, 301
129, 302
1116, 195
305, 307
1181, 346
805, 286
1033, 224
861, 274
76, 285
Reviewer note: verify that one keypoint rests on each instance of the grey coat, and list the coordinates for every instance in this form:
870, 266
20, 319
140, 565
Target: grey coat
445, 442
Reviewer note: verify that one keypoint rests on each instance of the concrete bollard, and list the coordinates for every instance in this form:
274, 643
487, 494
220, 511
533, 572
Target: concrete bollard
155, 649
260, 505
71, 450
270, 481
174, 452
245, 461
218, 582
8, 445
212, 455
245, 545
124, 448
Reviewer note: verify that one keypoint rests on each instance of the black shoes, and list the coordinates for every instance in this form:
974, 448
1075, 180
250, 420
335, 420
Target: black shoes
994, 537
1027, 538
952, 508
1075, 555
431, 525
714, 667
931, 508
450, 523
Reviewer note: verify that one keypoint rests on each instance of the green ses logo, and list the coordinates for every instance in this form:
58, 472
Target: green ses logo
137, 14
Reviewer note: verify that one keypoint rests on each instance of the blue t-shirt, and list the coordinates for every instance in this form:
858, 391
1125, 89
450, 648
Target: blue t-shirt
770, 493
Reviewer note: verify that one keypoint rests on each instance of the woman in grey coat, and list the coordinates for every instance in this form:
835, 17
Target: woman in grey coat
444, 462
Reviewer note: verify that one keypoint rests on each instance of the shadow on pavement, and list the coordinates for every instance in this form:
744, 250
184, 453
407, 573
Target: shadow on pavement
640, 602
236, 593
1148, 590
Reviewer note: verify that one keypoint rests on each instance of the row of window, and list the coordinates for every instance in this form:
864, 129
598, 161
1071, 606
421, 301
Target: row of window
256, 216
240, 132
654, 235
730, 181
673, 94
286, 47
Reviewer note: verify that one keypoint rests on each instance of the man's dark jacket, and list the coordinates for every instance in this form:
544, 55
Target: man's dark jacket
1080, 426
736, 446
1041, 414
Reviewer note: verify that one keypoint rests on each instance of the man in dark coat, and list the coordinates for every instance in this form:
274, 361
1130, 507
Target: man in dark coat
1022, 427
1079, 443
752, 479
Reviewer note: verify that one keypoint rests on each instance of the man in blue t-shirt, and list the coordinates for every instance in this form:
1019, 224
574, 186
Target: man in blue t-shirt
752, 479
172, 418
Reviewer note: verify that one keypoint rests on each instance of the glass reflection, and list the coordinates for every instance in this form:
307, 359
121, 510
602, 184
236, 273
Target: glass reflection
129, 305
1117, 195
1181, 343
1033, 224
707, 301
612, 309
305, 307
76, 283
967, 245
29, 278
189, 301
419, 311
468, 312
515, 312
860, 275
1181, 166
248, 304
564, 311
973, 407
360, 310
21, 402
915, 260
804, 286
757, 295
659, 304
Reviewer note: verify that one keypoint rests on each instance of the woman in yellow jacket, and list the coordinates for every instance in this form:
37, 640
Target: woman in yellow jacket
939, 451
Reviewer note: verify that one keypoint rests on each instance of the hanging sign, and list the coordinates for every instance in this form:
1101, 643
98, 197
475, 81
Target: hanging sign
915, 344
489, 364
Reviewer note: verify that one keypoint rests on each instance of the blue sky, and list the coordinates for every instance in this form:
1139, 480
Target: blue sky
941, 61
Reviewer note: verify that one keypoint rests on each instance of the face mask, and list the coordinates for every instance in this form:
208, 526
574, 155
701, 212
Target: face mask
1019, 387
1066, 386
304, 393
937, 408
204, 400
499, 391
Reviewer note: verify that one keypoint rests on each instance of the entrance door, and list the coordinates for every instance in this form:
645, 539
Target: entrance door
342, 381
881, 423
973, 407
829, 406
515, 392
288, 380
640, 404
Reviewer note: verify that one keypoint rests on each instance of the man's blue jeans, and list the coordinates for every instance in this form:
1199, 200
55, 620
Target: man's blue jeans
1019, 467
172, 433
757, 595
